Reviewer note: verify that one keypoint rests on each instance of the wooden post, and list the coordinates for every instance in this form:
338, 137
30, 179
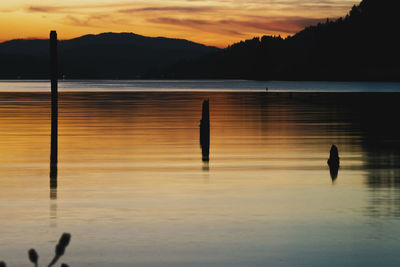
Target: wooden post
205, 131
54, 112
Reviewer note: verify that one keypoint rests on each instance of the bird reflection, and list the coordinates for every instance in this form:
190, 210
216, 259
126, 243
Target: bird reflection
205, 134
334, 163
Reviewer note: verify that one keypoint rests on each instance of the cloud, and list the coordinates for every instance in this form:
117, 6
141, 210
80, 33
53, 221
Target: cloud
188, 9
199, 24
119, 9
43, 9
72, 20
189, 6
7, 10
94, 20
180, 22
217, 21
74, 8
285, 24
288, 25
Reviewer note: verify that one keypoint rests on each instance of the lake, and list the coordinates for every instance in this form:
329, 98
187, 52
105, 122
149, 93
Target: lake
197, 85
132, 188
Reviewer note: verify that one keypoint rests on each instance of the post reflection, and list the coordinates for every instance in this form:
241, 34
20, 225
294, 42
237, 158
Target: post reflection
206, 166
53, 165
53, 213
53, 161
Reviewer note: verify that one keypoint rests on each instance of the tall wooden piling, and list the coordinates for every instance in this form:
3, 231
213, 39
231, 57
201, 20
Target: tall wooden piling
54, 111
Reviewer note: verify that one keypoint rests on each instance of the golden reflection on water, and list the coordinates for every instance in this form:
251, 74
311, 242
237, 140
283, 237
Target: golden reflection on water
131, 178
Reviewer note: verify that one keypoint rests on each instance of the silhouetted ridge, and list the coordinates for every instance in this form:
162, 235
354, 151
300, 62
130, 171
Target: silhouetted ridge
361, 46
106, 55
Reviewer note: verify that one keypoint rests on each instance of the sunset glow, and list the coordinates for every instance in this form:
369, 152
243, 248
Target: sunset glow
212, 22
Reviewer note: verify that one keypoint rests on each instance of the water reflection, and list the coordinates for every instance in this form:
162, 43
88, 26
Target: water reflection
362, 123
381, 146
371, 117
383, 179
131, 167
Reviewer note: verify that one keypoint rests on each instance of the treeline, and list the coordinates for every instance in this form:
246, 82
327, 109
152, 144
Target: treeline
364, 45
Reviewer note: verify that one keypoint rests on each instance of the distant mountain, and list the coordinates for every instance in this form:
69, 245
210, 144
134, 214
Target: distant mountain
106, 55
364, 45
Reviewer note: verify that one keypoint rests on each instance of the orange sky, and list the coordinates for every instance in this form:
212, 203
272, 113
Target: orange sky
212, 22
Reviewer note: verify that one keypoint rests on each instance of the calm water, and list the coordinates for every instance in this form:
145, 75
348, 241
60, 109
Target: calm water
133, 190
198, 85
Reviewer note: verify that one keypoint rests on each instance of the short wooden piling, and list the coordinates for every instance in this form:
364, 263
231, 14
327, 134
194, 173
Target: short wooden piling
54, 111
205, 131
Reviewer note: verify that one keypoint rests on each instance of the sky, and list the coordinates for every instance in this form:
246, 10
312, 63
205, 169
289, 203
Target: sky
212, 22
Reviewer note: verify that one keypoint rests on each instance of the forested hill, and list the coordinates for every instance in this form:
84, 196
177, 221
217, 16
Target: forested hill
103, 56
363, 45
